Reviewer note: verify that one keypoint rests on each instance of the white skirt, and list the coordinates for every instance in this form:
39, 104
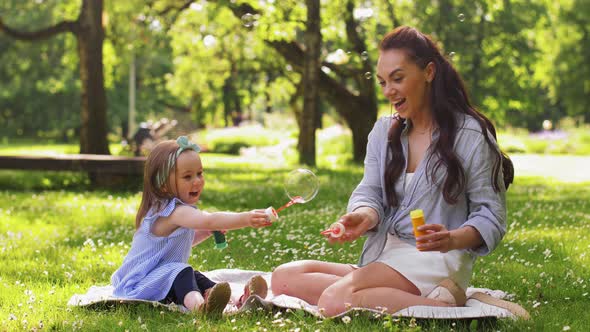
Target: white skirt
426, 269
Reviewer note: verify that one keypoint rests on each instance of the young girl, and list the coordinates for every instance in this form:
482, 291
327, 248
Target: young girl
168, 224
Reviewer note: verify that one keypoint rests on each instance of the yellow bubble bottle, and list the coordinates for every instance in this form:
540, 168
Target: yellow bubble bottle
417, 220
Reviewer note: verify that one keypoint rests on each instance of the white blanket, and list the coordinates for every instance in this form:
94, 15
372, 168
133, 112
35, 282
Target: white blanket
237, 279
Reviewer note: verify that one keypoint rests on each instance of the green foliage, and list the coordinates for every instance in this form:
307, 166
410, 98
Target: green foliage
39, 83
231, 140
491, 44
522, 61
564, 42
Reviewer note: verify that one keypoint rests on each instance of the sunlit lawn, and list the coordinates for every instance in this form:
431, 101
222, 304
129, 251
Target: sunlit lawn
57, 242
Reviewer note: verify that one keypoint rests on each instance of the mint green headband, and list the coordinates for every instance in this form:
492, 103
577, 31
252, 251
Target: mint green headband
183, 144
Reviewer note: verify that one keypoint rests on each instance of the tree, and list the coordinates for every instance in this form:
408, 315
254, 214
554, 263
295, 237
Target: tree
89, 33
344, 85
564, 39
491, 44
40, 90
310, 80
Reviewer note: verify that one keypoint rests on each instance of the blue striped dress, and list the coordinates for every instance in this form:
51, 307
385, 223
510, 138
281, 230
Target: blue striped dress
153, 262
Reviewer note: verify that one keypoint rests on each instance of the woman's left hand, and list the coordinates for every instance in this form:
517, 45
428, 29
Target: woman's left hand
438, 238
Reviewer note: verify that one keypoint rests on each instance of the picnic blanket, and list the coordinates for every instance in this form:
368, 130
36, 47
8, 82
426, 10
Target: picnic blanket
103, 295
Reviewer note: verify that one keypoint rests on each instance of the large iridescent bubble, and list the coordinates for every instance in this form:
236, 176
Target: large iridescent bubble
302, 183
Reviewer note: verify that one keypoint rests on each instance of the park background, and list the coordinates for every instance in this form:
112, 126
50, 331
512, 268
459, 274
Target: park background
263, 87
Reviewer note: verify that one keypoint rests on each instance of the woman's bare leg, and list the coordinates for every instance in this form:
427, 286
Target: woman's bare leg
307, 279
374, 286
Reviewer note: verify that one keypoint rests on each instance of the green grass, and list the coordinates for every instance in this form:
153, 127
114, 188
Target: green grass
56, 242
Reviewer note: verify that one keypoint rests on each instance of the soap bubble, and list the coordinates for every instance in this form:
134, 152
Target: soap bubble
248, 20
368, 75
461, 17
302, 183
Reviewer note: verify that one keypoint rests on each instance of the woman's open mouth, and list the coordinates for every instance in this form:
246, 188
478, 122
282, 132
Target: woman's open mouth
399, 103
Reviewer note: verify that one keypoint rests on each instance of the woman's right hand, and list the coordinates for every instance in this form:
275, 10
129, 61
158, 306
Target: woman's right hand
257, 218
356, 223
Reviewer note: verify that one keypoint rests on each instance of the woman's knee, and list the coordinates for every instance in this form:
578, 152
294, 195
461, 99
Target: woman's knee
284, 274
336, 299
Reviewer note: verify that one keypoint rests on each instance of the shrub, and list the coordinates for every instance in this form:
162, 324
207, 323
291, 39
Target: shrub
231, 140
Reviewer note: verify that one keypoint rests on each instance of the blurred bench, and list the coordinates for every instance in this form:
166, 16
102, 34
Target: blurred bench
103, 169
76, 162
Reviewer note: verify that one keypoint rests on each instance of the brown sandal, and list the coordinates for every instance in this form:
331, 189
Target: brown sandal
255, 286
216, 298
514, 308
449, 292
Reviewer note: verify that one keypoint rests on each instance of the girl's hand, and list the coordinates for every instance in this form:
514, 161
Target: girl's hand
356, 223
257, 218
437, 239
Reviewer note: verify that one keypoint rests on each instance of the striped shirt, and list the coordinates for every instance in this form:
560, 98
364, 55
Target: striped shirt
153, 262
478, 206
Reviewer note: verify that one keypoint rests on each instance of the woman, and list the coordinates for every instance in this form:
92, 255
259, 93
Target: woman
437, 154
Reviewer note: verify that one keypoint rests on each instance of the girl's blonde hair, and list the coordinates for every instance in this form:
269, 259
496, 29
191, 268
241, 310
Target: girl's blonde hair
154, 196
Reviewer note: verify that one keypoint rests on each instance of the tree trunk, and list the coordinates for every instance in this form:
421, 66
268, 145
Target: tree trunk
311, 66
360, 113
90, 35
231, 98
227, 99
93, 131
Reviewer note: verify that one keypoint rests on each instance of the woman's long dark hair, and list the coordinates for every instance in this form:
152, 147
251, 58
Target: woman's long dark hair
448, 96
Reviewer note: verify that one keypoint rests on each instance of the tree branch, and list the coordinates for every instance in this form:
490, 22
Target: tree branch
358, 44
178, 9
391, 11
64, 26
175, 107
344, 71
329, 88
293, 53
241, 9
351, 29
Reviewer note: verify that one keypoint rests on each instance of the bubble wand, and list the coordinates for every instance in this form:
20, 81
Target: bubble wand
301, 186
295, 200
336, 230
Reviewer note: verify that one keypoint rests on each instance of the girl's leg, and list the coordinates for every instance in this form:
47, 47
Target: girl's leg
196, 292
374, 286
193, 300
185, 291
203, 283
216, 295
307, 279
